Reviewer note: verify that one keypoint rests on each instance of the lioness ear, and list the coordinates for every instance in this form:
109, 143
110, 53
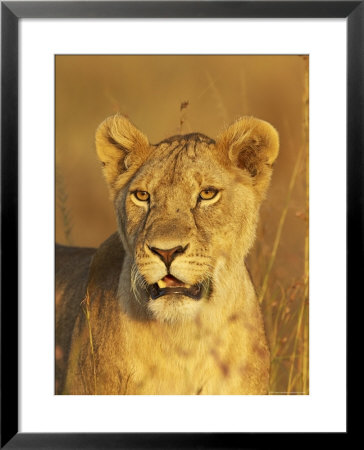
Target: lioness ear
119, 145
252, 145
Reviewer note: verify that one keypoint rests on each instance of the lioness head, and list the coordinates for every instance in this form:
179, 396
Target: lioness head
186, 208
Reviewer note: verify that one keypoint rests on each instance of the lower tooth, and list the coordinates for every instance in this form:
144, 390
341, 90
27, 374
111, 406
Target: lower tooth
161, 284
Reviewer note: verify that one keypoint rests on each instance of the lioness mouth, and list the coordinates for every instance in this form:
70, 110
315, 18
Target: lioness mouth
171, 285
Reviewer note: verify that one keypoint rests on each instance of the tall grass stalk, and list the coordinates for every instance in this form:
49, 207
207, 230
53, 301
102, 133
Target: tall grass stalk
218, 99
294, 355
86, 310
61, 200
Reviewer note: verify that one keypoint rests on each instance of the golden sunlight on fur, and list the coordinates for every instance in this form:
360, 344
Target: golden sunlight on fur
166, 304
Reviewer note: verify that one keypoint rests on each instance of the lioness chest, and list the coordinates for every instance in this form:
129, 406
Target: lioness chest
189, 359
183, 362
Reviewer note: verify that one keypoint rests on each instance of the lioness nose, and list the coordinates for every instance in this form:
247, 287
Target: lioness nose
167, 256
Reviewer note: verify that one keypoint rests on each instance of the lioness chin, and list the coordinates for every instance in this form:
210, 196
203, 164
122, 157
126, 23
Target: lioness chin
166, 305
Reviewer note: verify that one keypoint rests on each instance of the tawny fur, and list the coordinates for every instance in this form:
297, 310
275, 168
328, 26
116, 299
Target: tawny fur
122, 341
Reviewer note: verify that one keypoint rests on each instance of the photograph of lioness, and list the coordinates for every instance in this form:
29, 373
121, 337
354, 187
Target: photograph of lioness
181, 225
169, 306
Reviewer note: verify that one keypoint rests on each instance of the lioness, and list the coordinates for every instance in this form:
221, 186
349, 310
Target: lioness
166, 304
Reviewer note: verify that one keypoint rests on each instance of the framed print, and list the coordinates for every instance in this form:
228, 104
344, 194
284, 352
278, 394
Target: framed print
215, 99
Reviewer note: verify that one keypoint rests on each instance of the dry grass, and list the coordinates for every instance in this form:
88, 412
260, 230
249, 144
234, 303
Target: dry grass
285, 306
285, 311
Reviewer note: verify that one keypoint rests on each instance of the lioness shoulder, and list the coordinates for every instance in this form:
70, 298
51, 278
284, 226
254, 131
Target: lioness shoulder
166, 305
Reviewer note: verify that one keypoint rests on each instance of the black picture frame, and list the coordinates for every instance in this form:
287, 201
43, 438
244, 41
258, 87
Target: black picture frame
11, 12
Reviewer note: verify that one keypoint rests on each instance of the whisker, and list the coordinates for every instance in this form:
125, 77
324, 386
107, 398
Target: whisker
137, 281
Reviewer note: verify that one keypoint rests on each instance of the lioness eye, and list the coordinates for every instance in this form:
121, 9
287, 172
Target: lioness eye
208, 194
143, 196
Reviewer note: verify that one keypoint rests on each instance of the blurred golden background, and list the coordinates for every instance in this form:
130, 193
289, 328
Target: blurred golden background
167, 95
